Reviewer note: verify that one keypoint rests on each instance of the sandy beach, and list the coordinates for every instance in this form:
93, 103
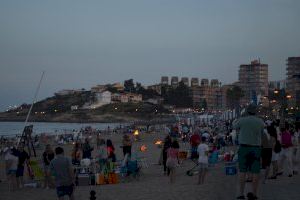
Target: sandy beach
152, 184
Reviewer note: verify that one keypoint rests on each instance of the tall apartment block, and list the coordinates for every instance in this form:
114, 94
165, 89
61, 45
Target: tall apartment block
164, 80
185, 81
253, 80
174, 81
293, 79
194, 82
211, 93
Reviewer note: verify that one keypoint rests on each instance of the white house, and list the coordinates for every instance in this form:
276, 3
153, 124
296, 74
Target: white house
102, 98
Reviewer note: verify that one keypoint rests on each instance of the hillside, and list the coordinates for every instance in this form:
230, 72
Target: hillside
58, 109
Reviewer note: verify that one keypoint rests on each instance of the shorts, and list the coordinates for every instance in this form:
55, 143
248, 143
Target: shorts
275, 156
64, 190
266, 157
20, 171
202, 166
249, 159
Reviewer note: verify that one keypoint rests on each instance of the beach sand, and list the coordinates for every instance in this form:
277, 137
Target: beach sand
152, 184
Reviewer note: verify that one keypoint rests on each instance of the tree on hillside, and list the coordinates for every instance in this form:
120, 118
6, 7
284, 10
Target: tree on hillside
234, 96
203, 104
178, 96
129, 86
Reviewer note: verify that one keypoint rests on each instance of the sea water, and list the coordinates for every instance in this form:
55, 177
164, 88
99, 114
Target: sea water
16, 128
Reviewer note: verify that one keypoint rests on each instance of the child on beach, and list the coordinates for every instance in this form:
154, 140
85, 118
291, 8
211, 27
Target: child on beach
102, 154
203, 150
110, 151
172, 160
76, 154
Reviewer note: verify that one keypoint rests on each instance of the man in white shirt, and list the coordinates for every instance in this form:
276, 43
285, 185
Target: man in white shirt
203, 160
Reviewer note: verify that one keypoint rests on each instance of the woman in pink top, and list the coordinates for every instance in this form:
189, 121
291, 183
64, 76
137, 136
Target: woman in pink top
286, 153
172, 160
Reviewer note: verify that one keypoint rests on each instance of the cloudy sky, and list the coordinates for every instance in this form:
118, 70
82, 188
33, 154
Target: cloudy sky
83, 43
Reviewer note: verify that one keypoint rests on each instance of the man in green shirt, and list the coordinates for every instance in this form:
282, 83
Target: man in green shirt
250, 130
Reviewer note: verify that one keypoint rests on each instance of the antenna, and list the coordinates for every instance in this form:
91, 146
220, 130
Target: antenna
26, 135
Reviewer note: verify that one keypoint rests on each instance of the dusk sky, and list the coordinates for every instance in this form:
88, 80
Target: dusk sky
80, 44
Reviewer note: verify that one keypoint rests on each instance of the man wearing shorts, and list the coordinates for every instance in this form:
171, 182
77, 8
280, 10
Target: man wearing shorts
23, 158
63, 172
250, 130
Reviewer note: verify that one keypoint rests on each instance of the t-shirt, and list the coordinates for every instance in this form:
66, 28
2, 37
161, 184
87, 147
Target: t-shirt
195, 140
13, 159
60, 167
102, 152
286, 139
22, 157
202, 152
250, 130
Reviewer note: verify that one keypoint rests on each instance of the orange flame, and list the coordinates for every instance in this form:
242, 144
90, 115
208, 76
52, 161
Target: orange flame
158, 142
143, 148
136, 132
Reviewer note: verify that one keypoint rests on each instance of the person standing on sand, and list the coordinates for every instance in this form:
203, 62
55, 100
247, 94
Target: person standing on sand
63, 172
167, 145
102, 155
11, 165
295, 151
250, 129
127, 143
111, 156
23, 158
203, 151
286, 152
268, 143
76, 154
48, 156
276, 148
173, 160
87, 149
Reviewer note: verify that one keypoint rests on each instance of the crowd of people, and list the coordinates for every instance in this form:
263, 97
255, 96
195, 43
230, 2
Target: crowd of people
259, 144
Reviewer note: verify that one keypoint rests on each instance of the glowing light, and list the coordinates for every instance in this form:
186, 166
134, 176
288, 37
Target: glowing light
143, 148
136, 132
289, 96
158, 142
276, 91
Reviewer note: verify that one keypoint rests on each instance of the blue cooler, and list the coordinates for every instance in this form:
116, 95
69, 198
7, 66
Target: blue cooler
230, 168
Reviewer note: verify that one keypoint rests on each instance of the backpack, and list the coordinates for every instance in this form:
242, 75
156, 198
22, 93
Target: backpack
277, 147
